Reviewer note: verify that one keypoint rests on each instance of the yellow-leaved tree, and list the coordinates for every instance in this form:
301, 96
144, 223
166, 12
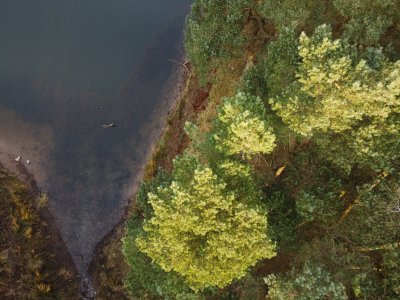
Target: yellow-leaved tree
242, 128
349, 105
200, 230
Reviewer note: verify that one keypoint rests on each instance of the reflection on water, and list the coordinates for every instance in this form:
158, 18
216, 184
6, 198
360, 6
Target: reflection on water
67, 68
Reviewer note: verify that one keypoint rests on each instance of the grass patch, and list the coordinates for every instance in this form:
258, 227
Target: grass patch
29, 265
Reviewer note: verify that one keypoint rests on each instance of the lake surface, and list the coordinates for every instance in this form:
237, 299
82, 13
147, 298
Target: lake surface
67, 67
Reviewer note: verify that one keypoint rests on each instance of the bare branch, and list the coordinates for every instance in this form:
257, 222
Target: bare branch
184, 65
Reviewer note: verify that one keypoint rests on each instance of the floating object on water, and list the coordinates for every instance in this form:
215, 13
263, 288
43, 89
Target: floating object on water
17, 159
28, 161
109, 125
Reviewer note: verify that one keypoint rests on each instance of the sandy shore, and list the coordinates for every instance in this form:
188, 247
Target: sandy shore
32, 142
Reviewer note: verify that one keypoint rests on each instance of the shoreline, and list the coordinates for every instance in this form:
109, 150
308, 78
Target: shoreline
108, 267
173, 92
20, 171
176, 89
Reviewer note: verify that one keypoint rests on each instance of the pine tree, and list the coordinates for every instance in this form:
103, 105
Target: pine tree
241, 127
344, 102
312, 282
367, 19
201, 231
213, 31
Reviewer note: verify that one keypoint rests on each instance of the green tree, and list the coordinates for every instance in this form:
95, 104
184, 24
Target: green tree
337, 98
368, 19
201, 231
146, 280
391, 271
282, 219
384, 284
320, 201
280, 61
361, 252
239, 178
276, 66
311, 283
242, 128
238, 175
142, 201
213, 31
305, 14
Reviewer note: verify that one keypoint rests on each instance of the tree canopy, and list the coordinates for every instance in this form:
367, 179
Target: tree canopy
201, 231
290, 166
241, 127
338, 96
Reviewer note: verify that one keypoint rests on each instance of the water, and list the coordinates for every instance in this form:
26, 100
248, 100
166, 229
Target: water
66, 68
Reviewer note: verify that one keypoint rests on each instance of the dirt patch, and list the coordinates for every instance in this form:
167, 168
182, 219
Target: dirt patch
199, 103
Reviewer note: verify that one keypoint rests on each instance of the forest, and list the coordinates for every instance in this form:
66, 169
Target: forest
287, 183
277, 175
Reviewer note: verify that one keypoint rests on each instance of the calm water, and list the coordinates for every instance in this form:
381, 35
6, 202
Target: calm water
66, 68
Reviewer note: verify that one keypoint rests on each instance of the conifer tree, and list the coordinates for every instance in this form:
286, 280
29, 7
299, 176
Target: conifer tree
344, 102
241, 127
312, 282
368, 19
213, 31
201, 231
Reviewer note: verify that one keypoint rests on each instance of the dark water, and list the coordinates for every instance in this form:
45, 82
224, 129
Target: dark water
66, 68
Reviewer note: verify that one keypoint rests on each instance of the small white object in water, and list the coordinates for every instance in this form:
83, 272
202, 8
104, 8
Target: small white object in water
28, 161
109, 125
17, 159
